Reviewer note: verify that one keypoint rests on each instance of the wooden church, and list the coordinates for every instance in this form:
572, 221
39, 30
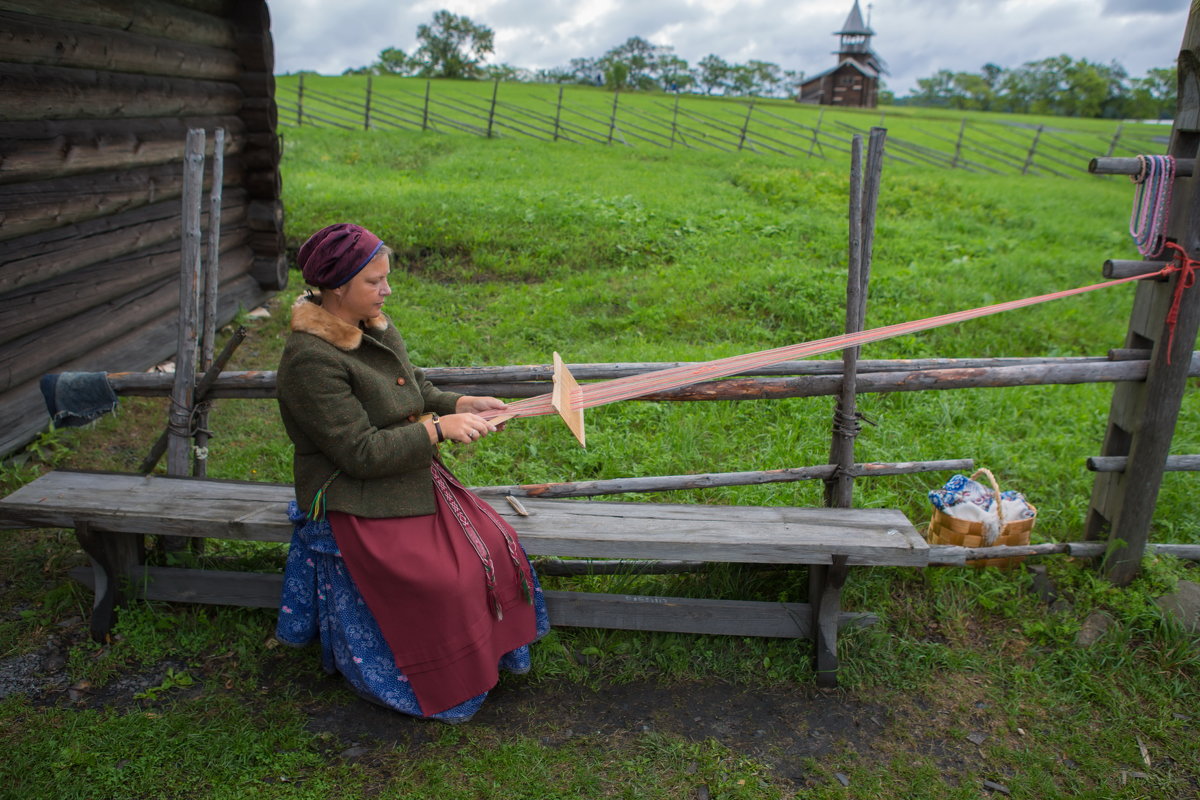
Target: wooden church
96, 99
854, 82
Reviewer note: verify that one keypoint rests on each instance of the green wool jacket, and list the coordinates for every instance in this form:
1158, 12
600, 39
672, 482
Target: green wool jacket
350, 399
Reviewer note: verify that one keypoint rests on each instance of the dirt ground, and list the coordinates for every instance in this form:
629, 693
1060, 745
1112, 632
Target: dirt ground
785, 730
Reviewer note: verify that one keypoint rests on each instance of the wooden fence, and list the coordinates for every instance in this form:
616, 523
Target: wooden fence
668, 122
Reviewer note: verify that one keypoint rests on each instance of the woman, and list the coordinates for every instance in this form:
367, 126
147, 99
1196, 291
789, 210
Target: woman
418, 591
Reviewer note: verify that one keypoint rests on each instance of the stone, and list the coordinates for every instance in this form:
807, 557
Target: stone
1183, 604
1093, 629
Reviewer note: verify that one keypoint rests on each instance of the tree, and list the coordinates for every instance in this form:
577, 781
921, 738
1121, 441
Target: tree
1153, 96
453, 46
635, 64
393, 61
713, 73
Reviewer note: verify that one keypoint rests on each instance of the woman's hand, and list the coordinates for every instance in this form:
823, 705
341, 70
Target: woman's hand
476, 404
465, 428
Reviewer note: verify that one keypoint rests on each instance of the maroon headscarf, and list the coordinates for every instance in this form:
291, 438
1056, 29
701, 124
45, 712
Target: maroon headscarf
336, 253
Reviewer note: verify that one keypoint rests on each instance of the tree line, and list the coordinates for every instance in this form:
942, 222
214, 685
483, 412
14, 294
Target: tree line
454, 46
1058, 85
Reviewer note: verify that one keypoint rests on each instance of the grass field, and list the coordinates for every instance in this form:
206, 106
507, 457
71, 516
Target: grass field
510, 249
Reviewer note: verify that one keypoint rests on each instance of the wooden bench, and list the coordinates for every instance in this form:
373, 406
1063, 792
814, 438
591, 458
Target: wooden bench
111, 514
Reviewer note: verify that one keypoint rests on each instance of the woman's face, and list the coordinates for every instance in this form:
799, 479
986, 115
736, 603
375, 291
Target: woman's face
362, 298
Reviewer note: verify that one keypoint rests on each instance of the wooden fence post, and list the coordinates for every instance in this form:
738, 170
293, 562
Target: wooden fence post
1112, 146
425, 112
816, 132
958, 145
612, 122
558, 113
1142, 416
211, 273
1032, 150
745, 126
492, 110
300, 101
674, 121
367, 107
864, 198
180, 415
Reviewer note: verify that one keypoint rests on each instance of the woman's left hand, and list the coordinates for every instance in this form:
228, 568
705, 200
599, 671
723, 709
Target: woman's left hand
473, 404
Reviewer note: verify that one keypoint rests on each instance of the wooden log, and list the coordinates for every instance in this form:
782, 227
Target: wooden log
566, 609
179, 441
1132, 166
1045, 372
27, 357
951, 555
1118, 463
35, 150
663, 483
922, 380
253, 43
47, 255
66, 296
569, 567
1142, 418
260, 114
145, 17
38, 206
35, 92
37, 40
23, 410
1114, 268
203, 386
591, 372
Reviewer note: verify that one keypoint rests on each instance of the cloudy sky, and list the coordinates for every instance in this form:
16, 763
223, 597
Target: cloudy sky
915, 37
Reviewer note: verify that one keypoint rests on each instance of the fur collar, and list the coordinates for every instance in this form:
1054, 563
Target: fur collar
309, 317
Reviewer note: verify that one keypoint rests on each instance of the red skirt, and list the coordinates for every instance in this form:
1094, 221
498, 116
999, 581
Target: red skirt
451, 591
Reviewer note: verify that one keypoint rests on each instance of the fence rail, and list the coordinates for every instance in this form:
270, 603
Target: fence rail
994, 147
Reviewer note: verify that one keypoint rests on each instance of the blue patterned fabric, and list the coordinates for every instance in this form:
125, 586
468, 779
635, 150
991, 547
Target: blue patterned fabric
320, 601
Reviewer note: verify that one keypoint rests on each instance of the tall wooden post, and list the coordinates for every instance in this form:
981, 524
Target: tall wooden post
825, 581
745, 126
425, 110
367, 107
179, 443
864, 199
211, 282
492, 110
558, 113
1142, 418
612, 122
1032, 150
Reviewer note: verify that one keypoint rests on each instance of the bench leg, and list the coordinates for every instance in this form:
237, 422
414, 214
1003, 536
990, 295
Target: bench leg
115, 557
825, 599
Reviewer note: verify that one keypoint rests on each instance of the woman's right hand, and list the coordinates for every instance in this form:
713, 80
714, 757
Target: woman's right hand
465, 428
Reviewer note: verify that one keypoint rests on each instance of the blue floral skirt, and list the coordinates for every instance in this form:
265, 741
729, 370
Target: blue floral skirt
320, 601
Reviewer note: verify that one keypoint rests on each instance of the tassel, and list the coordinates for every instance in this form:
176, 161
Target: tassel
316, 510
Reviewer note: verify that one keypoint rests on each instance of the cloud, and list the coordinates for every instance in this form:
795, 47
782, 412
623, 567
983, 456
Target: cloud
915, 37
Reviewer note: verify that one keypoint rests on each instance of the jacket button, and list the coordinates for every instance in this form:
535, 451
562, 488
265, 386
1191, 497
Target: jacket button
399, 381
412, 417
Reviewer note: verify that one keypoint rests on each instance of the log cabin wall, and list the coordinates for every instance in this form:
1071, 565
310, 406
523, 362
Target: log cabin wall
96, 99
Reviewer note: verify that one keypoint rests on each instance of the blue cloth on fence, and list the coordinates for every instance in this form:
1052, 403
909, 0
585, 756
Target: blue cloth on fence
77, 398
320, 601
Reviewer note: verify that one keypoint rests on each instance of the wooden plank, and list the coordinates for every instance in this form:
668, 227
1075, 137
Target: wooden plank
28, 357
67, 296
36, 206
651, 531
37, 40
39, 149
58, 251
33, 92
22, 409
566, 609
148, 17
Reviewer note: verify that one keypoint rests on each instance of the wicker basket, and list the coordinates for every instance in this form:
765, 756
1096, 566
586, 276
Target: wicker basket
945, 529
